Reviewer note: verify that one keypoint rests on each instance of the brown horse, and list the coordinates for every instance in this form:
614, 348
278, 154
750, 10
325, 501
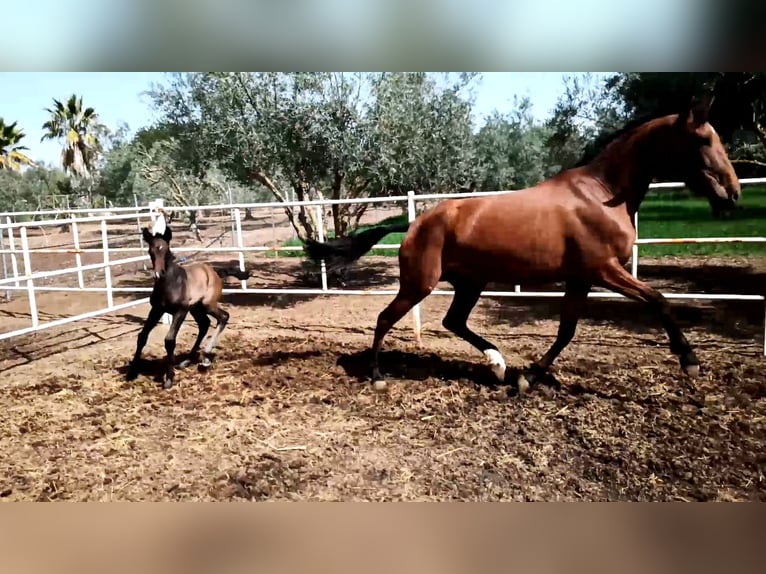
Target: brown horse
576, 227
179, 290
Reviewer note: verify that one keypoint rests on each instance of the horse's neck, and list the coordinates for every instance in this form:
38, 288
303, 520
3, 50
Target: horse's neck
628, 166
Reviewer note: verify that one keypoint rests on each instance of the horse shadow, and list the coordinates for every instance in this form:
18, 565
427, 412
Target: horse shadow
154, 367
396, 364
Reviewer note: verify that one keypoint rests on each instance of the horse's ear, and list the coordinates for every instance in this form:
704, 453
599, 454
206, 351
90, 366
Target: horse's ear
147, 235
168, 235
698, 111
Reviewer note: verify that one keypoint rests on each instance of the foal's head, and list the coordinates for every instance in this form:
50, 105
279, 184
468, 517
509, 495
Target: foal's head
704, 165
159, 250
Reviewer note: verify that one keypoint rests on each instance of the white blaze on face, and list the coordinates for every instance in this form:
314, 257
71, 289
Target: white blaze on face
159, 225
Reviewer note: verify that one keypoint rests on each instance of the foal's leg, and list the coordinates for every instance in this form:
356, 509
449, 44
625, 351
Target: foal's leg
170, 345
223, 318
155, 314
456, 320
572, 305
203, 323
616, 278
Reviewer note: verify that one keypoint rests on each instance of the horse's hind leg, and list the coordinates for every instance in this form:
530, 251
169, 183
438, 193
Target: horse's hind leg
170, 346
223, 318
456, 320
203, 324
572, 305
396, 309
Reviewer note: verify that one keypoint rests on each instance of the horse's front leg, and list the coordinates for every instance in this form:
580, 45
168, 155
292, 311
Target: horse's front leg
155, 314
617, 279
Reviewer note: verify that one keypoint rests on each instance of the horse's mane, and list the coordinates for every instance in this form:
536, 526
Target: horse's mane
604, 138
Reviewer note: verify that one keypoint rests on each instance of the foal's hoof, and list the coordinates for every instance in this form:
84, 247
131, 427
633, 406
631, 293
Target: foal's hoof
692, 371
131, 374
380, 385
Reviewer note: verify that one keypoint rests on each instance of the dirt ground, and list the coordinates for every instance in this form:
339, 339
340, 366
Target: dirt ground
285, 413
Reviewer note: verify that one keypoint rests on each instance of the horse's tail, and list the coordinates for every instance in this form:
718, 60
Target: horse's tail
233, 272
342, 251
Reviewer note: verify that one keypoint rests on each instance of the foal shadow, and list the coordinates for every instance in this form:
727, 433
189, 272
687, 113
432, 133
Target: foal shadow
155, 367
422, 366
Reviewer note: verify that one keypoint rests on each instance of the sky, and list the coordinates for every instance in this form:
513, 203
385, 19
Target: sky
117, 98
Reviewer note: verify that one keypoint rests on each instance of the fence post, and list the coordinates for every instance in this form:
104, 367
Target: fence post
77, 256
12, 247
240, 243
416, 309
320, 231
107, 268
5, 263
634, 262
138, 228
30, 282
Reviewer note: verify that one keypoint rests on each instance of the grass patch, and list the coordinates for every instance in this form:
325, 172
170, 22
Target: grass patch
663, 214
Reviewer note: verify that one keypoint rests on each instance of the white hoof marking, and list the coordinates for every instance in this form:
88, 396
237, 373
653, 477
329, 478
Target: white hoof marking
496, 363
206, 362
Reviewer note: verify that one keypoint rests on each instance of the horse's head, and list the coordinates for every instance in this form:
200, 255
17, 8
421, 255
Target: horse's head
705, 166
159, 250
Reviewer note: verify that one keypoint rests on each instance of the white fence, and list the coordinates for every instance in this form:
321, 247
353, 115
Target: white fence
24, 278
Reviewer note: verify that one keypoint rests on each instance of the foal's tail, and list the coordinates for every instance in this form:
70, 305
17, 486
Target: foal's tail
342, 251
233, 272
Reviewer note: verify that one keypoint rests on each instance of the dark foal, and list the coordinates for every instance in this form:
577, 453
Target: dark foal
576, 227
178, 290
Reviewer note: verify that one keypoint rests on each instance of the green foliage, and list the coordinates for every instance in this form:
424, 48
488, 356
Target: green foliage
12, 156
511, 150
78, 129
312, 135
36, 187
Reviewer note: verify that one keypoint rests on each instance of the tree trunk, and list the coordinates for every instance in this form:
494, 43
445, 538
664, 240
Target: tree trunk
339, 223
264, 180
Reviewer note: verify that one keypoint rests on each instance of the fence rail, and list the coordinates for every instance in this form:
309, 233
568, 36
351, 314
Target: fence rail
24, 279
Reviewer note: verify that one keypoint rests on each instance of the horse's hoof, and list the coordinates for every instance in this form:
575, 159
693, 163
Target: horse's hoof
522, 384
380, 385
692, 371
205, 363
184, 364
167, 384
496, 363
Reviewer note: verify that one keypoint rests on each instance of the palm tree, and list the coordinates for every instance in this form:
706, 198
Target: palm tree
12, 154
78, 127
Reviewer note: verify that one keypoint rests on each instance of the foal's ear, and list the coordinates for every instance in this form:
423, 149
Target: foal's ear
148, 237
168, 235
698, 112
